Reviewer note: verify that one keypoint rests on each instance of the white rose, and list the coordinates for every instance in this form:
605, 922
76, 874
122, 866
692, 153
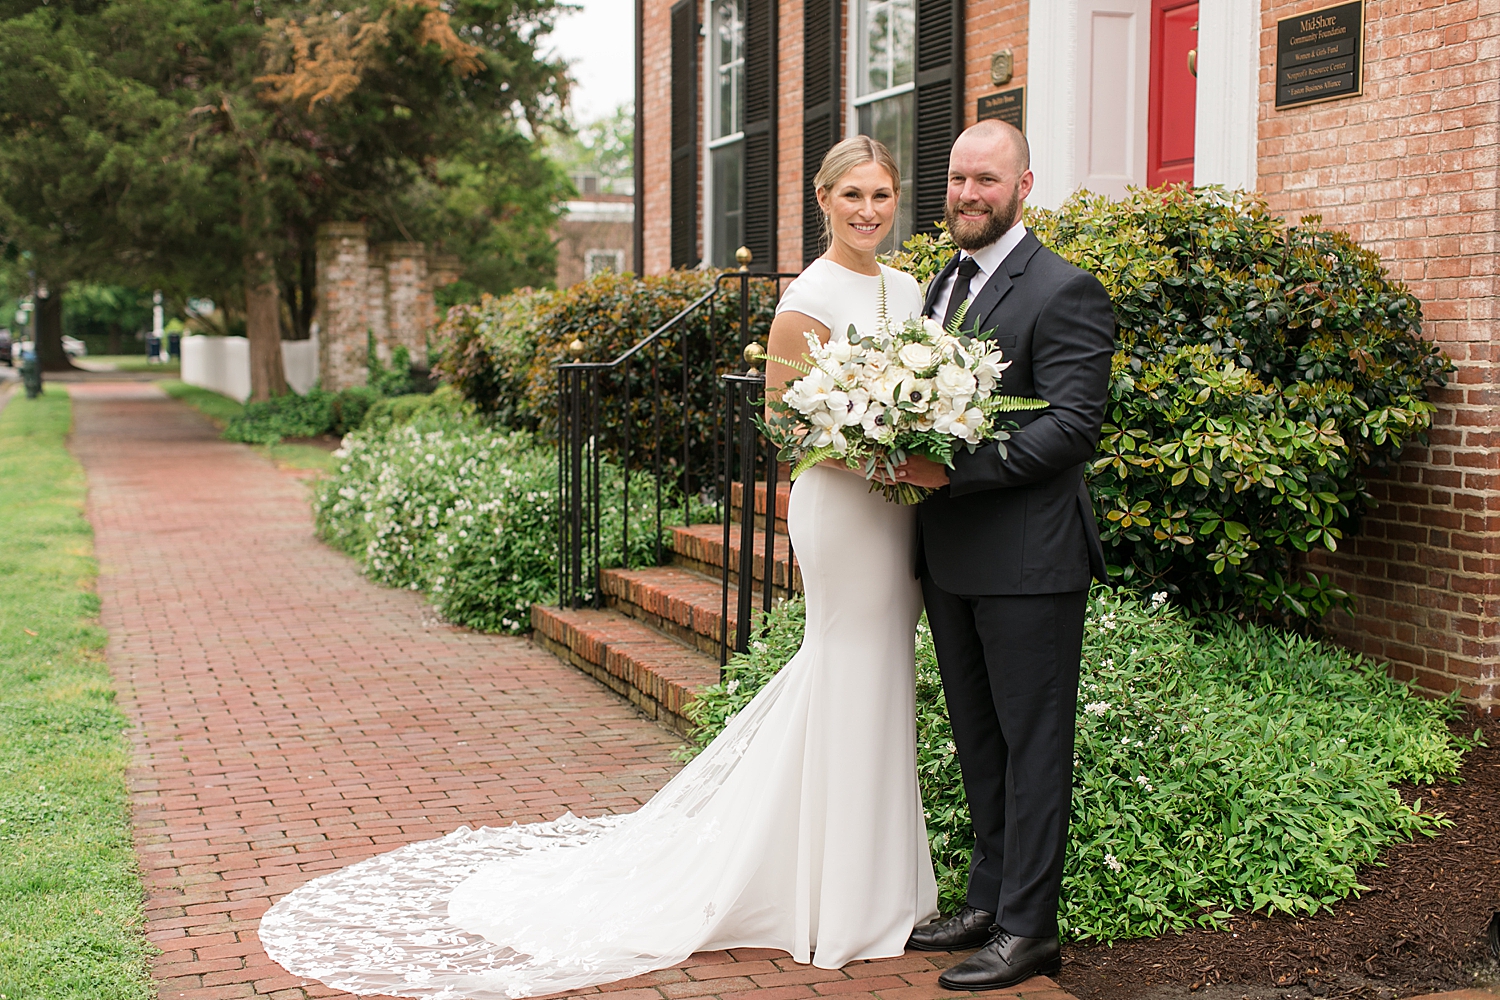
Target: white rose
933, 327
916, 356
954, 381
840, 351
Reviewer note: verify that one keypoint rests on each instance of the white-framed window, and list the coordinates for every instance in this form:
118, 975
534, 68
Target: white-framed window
725, 146
602, 261
882, 91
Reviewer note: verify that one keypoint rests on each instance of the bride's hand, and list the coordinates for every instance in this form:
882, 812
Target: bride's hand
921, 471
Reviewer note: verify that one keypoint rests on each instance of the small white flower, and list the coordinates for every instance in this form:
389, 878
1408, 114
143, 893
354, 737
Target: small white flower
1096, 707
1113, 863
731, 687
1159, 598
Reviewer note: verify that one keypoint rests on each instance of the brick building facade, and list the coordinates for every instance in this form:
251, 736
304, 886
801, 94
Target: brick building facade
1402, 155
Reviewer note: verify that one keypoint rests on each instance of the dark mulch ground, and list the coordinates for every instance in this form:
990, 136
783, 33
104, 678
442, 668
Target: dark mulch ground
1421, 927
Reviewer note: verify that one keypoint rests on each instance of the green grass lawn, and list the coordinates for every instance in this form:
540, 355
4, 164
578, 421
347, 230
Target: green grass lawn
137, 363
221, 409
71, 920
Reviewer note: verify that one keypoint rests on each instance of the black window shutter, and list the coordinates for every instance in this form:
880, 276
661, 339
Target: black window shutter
760, 132
820, 111
685, 133
939, 117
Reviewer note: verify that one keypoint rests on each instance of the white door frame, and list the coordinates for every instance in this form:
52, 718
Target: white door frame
1228, 96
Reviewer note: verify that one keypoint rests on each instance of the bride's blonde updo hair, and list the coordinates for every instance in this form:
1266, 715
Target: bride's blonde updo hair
855, 151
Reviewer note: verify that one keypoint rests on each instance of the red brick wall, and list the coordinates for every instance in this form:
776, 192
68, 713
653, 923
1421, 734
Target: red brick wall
789, 179
656, 176
1409, 170
656, 121
990, 27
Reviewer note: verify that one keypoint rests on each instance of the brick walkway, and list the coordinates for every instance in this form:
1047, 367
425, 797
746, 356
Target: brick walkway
293, 718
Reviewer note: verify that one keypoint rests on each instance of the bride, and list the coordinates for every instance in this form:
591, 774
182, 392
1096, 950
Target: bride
799, 828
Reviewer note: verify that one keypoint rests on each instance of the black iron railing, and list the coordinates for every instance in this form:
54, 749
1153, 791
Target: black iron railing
614, 421
750, 464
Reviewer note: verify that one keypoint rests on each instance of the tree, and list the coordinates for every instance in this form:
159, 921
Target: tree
91, 307
219, 135
78, 139
605, 147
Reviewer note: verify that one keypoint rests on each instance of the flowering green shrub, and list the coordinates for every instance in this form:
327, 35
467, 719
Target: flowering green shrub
1216, 770
1262, 371
451, 506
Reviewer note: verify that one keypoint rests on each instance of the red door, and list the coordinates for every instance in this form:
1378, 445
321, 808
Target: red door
1174, 92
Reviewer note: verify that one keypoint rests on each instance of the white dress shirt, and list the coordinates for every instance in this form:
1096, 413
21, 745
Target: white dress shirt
989, 259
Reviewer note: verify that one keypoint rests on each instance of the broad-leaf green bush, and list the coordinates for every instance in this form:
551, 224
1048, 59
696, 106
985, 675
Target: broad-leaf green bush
452, 506
318, 412
1263, 370
501, 355
1216, 770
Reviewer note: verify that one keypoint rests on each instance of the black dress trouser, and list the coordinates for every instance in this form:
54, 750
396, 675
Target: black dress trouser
1010, 674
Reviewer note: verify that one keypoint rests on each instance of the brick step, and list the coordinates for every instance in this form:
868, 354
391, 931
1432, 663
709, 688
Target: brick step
783, 496
700, 548
685, 605
654, 673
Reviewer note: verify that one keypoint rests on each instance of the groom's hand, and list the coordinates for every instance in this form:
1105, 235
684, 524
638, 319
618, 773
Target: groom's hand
921, 471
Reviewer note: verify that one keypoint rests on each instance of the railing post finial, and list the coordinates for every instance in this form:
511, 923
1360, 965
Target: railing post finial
576, 348
743, 257
754, 354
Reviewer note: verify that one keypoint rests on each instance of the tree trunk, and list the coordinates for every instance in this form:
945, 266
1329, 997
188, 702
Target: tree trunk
263, 328
114, 338
49, 333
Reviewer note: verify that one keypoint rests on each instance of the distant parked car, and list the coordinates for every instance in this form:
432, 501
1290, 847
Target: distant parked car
5, 346
73, 347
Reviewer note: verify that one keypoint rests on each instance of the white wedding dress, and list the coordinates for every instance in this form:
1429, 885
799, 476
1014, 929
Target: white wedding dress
799, 828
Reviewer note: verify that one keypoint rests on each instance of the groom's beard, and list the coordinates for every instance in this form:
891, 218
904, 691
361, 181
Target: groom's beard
973, 236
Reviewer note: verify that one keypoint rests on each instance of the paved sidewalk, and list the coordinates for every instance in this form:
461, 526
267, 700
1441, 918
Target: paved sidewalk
292, 717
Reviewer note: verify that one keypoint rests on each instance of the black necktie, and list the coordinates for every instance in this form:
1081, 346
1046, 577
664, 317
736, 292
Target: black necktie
967, 268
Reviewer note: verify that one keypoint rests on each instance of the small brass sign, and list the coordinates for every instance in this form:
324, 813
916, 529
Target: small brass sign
1320, 55
1002, 67
1008, 105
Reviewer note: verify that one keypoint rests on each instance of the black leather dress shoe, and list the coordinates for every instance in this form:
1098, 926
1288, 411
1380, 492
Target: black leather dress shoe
968, 928
1005, 960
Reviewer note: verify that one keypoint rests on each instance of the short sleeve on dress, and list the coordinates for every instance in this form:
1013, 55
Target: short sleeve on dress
802, 296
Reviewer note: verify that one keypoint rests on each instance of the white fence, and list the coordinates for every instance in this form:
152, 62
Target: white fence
223, 364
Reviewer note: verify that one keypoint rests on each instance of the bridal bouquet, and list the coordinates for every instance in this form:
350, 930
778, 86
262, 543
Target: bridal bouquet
874, 399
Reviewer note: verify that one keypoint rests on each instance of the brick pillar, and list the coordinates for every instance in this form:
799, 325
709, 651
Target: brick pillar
408, 299
377, 318
444, 269
342, 313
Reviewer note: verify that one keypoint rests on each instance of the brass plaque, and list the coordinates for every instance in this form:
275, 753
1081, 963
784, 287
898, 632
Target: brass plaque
1320, 55
1008, 105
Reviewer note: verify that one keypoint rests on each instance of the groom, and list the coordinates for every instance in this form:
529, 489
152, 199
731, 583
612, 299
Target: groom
1007, 552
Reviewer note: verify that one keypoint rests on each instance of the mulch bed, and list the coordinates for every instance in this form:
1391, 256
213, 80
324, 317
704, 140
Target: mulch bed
1421, 927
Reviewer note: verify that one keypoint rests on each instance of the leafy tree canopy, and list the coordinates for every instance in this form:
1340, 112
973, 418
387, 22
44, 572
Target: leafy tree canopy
196, 145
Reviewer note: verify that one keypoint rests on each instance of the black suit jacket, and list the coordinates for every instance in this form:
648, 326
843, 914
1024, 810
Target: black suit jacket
1024, 524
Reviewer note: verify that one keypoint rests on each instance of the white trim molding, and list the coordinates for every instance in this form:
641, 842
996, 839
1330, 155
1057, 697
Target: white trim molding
1051, 105
1225, 130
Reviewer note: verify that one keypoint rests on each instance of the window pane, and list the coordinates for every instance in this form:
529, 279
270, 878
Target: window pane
729, 65
887, 33
890, 121
728, 192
